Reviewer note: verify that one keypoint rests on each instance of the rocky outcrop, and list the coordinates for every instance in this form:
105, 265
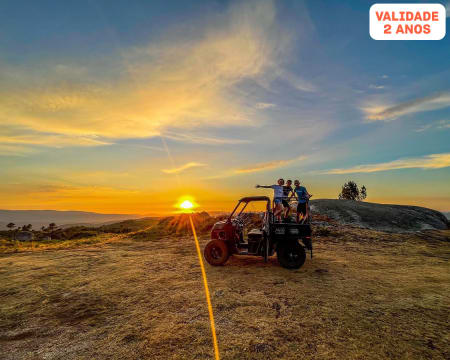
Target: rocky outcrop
383, 217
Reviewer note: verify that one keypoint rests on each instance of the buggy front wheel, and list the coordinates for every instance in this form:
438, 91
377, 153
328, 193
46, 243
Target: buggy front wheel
216, 252
291, 255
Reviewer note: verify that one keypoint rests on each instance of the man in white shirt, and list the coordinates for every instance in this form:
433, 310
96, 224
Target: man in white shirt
277, 197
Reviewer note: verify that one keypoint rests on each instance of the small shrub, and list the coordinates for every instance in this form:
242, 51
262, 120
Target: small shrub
83, 234
321, 231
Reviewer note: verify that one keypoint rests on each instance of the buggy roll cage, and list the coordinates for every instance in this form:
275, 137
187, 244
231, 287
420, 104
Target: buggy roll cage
248, 199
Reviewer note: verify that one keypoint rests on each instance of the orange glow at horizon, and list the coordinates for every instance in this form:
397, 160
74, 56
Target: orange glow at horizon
146, 202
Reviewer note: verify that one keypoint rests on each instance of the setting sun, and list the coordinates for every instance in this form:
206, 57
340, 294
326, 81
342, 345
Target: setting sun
186, 204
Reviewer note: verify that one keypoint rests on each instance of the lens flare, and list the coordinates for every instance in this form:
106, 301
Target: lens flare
186, 205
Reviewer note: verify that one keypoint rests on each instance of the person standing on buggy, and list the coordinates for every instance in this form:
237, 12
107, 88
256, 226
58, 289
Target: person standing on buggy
277, 198
288, 193
303, 199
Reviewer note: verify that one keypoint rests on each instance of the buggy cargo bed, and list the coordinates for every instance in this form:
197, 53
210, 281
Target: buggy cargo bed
290, 230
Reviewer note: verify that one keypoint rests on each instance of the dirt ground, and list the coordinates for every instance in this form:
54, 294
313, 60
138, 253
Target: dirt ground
365, 296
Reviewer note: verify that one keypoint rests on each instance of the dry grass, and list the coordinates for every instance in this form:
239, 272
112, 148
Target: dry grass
8, 246
365, 295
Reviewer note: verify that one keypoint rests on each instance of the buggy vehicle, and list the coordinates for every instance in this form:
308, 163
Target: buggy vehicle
288, 239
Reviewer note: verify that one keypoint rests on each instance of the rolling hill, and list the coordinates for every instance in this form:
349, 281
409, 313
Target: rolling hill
39, 218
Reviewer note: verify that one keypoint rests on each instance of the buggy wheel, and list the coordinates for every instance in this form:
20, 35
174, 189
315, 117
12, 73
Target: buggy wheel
291, 255
216, 252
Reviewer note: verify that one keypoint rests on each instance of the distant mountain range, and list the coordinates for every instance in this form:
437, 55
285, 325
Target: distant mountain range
39, 218
64, 219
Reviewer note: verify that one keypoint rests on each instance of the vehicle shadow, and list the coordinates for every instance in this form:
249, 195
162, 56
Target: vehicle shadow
253, 261
317, 266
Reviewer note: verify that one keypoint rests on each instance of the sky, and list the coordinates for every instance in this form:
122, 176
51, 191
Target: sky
128, 106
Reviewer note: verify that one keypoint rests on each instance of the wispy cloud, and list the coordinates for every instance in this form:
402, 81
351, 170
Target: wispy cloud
433, 161
388, 113
376, 87
423, 128
262, 105
52, 140
148, 147
179, 81
15, 150
437, 125
266, 165
24, 141
198, 139
184, 167
295, 81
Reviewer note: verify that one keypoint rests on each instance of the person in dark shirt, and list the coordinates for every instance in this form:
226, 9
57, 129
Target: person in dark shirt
288, 192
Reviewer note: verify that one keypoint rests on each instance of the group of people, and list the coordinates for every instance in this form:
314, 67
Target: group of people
282, 194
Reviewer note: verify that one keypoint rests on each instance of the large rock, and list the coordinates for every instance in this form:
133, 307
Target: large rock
384, 217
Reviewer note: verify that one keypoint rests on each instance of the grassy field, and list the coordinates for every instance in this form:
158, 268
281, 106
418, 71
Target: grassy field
9, 246
364, 295
77, 236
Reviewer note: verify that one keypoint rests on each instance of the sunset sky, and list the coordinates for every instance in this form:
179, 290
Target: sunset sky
126, 106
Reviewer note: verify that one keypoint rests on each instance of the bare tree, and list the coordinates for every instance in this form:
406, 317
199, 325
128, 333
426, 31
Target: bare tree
11, 227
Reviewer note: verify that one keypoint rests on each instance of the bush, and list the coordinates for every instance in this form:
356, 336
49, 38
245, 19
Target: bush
351, 191
83, 234
321, 231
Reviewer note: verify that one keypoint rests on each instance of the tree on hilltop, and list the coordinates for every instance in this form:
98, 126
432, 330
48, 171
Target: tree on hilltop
27, 227
11, 227
351, 191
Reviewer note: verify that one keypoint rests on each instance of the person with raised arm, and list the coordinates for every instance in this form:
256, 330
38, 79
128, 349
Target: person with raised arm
277, 197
